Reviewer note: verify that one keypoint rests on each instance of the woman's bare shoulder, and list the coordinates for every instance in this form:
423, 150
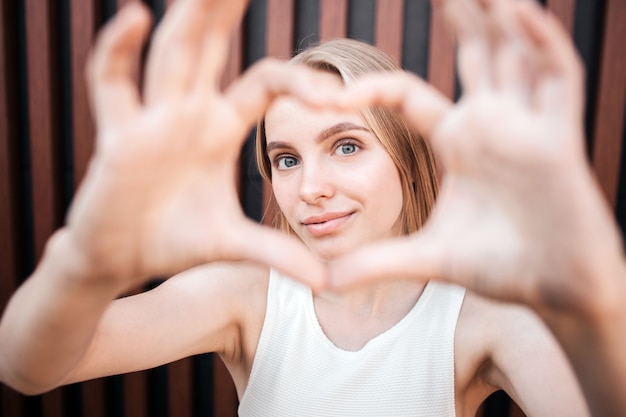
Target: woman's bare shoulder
489, 330
237, 284
507, 346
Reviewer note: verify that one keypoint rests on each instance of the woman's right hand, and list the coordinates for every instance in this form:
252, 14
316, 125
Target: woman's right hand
160, 194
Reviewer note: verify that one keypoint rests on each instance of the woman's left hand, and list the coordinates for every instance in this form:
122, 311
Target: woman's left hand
519, 215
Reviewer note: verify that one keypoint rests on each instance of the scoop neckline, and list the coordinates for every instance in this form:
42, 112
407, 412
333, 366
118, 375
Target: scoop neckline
399, 326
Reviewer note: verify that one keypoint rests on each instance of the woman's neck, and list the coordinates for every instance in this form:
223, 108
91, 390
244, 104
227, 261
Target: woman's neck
351, 319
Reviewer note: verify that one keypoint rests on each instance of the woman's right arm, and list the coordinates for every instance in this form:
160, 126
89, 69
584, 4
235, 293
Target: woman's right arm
50, 320
159, 196
60, 328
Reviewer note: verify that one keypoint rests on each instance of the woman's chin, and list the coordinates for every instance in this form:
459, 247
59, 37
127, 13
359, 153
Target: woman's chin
327, 254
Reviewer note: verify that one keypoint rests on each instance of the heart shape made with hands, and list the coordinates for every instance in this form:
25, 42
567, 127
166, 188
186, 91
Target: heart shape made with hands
160, 194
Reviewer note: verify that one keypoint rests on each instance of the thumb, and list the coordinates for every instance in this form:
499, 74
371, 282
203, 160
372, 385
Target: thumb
285, 253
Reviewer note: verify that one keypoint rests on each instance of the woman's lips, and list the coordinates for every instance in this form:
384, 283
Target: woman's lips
326, 224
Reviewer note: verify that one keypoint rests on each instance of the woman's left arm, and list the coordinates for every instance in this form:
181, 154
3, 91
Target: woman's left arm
528, 363
520, 216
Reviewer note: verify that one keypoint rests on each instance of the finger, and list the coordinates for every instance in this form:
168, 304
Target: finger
287, 254
421, 258
421, 104
179, 44
211, 64
467, 18
561, 69
401, 258
253, 93
513, 69
114, 94
469, 23
217, 43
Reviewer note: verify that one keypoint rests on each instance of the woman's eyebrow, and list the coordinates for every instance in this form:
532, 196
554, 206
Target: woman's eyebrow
276, 145
324, 134
338, 128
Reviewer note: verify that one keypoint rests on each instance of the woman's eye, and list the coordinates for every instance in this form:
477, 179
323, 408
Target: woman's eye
286, 162
346, 149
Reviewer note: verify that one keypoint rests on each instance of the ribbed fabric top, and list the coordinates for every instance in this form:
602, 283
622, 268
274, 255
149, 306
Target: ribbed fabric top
407, 370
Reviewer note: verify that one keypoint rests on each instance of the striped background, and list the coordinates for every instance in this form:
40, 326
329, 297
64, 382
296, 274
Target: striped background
46, 137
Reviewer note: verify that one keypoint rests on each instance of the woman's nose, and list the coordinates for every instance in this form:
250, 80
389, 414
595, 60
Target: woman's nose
316, 183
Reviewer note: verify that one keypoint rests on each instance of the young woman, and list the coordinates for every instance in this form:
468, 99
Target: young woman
342, 181
159, 198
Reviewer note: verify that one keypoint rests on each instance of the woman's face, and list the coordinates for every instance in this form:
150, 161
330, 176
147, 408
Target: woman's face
336, 185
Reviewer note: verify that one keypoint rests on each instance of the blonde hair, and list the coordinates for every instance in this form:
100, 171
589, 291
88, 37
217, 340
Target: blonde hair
350, 59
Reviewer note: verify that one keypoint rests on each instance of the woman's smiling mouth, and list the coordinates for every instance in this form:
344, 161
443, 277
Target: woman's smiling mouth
326, 223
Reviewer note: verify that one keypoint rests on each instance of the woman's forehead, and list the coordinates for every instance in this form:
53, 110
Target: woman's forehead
287, 117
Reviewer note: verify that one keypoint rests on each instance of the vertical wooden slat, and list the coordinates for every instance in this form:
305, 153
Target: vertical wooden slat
441, 53
135, 395
12, 402
179, 388
93, 398
82, 21
224, 393
280, 24
333, 19
609, 120
389, 28
564, 10
8, 189
53, 403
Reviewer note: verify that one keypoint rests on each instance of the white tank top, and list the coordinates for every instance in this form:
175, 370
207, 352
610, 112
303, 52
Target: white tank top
407, 370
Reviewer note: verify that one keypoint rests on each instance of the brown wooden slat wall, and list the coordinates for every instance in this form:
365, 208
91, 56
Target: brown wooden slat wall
8, 186
609, 121
389, 27
441, 53
42, 156
333, 19
12, 404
